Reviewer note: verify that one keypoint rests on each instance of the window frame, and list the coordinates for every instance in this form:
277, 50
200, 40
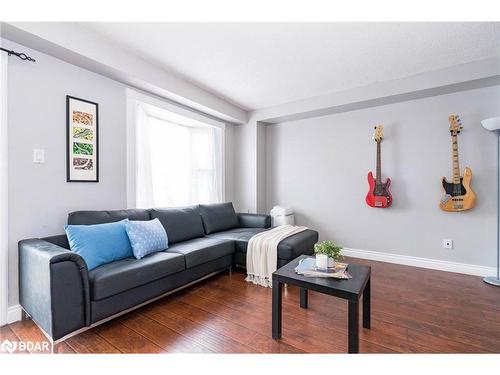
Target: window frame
135, 98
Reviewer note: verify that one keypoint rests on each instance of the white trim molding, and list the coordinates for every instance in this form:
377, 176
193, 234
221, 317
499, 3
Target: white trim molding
4, 198
435, 264
14, 314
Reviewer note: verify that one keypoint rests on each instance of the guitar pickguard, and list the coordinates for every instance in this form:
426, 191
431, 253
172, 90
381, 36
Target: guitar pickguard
454, 189
458, 197
378, 195
380, 191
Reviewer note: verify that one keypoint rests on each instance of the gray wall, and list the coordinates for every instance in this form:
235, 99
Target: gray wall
39, 196
319, 166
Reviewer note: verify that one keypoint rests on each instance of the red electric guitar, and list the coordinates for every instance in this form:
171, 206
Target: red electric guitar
378, 195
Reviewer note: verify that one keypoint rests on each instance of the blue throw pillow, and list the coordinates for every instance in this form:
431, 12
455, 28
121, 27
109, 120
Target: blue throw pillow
100, 243
146, 237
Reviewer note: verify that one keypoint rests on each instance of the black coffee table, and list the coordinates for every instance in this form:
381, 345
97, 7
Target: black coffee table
350, 289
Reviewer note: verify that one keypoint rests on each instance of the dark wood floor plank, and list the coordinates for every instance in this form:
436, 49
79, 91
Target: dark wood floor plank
162, 336
414, 310
64, 348
467, 324
256, 319
463, 348
326, 315
27, 331
416, 341
331, 332
90, 342
491, 315
465, 337
35, 341
204, 336
125, 339
239, 332
6, 333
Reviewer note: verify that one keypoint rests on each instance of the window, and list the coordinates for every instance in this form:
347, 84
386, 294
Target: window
179, 159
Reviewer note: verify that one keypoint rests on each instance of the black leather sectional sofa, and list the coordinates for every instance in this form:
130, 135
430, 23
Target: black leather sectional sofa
63, 297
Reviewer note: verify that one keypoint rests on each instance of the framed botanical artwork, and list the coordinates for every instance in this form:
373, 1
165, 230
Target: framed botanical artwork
82, 134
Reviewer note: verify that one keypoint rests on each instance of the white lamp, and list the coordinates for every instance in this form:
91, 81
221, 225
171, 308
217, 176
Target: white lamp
493, 124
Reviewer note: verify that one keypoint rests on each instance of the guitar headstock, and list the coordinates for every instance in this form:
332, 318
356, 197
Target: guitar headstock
455, 124
378, 134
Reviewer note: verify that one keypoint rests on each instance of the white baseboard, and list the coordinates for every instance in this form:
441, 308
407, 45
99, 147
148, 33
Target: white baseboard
14, 314
435, 264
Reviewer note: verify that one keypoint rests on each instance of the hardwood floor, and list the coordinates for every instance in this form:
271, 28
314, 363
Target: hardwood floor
414, 310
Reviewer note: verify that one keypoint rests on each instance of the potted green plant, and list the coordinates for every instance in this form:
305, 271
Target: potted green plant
327, 253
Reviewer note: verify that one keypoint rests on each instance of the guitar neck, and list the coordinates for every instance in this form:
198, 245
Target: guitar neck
456, 164
379, 166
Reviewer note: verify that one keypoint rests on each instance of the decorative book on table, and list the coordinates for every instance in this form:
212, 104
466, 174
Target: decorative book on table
307, 267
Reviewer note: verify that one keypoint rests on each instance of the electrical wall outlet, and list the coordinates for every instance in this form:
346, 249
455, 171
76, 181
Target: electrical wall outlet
447, 244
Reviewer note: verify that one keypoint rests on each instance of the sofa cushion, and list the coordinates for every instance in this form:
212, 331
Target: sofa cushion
298, 244
288, 249
146, 237
181, 223
247, 220
241, 236
201, 250
101, 217
218, 217
125, 274
99, 244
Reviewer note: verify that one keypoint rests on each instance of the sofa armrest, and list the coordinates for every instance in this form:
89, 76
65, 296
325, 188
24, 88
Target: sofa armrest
53, 287
254, 220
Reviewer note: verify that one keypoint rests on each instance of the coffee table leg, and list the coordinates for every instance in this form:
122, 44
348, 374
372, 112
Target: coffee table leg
277, 295
367, 305
353, 326
303, 298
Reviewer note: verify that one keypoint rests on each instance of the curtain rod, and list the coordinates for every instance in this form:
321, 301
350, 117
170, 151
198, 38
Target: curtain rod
21, 55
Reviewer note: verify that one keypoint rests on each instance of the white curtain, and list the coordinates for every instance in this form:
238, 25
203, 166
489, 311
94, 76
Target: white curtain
4, 198
177, 164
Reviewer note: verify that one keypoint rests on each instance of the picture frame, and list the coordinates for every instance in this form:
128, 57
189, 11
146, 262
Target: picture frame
82, 140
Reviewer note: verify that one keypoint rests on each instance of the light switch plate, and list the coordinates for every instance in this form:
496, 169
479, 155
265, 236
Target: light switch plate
38, 156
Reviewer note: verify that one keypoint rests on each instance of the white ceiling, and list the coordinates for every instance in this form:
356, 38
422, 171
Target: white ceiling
260, 65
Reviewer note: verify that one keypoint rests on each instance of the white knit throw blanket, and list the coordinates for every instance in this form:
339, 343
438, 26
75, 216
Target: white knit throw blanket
262, 253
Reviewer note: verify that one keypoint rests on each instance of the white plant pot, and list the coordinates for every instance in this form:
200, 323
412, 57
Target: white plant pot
323, 261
